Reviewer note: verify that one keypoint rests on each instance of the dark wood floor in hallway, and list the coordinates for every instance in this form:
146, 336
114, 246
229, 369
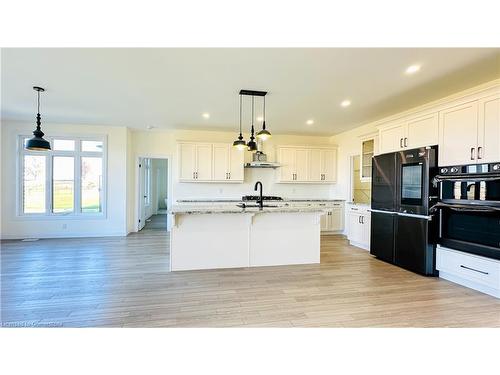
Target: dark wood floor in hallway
125, 282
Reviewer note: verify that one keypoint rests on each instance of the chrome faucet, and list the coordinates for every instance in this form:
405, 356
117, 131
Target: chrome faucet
260, 201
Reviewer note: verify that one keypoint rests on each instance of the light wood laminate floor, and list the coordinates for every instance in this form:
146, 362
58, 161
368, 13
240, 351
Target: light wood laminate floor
124, 282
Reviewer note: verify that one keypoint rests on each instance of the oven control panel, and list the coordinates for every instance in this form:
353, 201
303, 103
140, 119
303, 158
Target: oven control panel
470, 169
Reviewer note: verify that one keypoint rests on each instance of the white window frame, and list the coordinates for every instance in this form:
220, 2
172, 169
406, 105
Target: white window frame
77, 154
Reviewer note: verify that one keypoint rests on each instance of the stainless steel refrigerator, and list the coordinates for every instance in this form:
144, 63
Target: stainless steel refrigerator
402, 230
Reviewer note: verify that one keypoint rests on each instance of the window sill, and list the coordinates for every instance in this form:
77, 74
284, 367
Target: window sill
43, 217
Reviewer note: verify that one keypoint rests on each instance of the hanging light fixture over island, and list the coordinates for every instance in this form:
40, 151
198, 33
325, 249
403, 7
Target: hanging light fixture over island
262, 134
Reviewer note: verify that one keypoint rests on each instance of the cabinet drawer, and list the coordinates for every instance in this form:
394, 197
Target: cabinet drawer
469, 267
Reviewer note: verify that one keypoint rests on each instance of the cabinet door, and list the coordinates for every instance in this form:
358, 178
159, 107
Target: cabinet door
355, 228
336, 219
315, 166
187, 162
324, 221
301, 165
458, 134
489, 130
287, 161
329, 165
366, 222
422, 131
391, 138
236, 161
204, 162
221, 162
365, 160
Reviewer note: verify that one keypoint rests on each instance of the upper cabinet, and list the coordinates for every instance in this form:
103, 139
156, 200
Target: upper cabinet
209, 162
470, 133
307, 164
369, 147
412, 132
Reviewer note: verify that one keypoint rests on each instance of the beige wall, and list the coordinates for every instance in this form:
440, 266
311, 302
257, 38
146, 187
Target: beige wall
115, 221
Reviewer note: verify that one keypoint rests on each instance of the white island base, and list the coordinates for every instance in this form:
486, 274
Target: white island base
245, 239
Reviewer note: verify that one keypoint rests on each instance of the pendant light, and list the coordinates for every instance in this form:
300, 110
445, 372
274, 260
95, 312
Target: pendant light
240, 144
264, 134
252, 146
37, 143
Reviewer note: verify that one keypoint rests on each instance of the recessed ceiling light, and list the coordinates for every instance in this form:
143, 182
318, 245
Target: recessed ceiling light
206, 115
412, 69
345, 103
310, 122
149, 127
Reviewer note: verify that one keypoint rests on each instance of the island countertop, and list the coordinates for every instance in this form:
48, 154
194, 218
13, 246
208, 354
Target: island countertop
212, 209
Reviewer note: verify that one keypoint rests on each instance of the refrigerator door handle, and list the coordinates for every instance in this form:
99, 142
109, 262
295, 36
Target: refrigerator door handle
426, 217
382, 212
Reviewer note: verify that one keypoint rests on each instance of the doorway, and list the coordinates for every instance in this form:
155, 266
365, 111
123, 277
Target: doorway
153, 194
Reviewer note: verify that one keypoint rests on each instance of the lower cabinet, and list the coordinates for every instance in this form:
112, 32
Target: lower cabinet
333, 220
359, 227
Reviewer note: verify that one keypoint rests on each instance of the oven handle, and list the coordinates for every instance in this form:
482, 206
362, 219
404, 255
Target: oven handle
472, 178
463, 207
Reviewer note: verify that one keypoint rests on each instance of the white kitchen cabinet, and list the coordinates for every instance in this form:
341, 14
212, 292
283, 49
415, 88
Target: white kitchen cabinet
307, 165
458, 129
359, 227
209, 162
227, 163
489, 130
391, 138
333, 219
410, 133
369, 147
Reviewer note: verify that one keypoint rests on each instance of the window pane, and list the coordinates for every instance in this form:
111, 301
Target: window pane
64, 145
91, 184
63, 184
34, 184
92, 146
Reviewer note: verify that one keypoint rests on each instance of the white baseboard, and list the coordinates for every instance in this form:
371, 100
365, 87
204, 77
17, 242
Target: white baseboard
470, 284
62, 235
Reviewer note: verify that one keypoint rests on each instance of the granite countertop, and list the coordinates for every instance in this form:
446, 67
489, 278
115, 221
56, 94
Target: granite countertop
223, 200
188, 210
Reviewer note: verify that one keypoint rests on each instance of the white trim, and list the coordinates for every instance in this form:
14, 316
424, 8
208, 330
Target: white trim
77, 154
60, 234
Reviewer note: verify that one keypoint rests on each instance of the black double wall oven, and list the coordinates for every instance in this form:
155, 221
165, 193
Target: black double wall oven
469, 208
403, 231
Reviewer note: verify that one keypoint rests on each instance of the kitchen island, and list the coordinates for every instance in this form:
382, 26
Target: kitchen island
231, 237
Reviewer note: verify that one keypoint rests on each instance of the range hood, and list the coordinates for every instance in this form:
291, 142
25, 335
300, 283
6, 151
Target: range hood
259, 160
261, 164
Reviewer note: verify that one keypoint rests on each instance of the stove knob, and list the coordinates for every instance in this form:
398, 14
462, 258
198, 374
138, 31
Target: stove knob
444, 170
454, 170
496, 167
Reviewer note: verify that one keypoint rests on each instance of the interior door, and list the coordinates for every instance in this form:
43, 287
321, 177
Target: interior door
187, 161
237, 159
301, 165
142, 193
489, 130
315, 166
422, 131
391, 138
221, 162
458, 130
287, 160
329, 165
204, 162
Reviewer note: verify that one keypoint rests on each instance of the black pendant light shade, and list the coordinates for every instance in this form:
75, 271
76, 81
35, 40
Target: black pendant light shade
37, 143
264, 134
252, 145
240, 144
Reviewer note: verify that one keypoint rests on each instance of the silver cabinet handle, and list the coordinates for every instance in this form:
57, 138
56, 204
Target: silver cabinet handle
479, 152
229, 175
406, 142
194, 175
401, 143
472, 156
472, 269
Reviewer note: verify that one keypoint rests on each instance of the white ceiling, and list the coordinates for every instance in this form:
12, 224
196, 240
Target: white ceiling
171, 88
